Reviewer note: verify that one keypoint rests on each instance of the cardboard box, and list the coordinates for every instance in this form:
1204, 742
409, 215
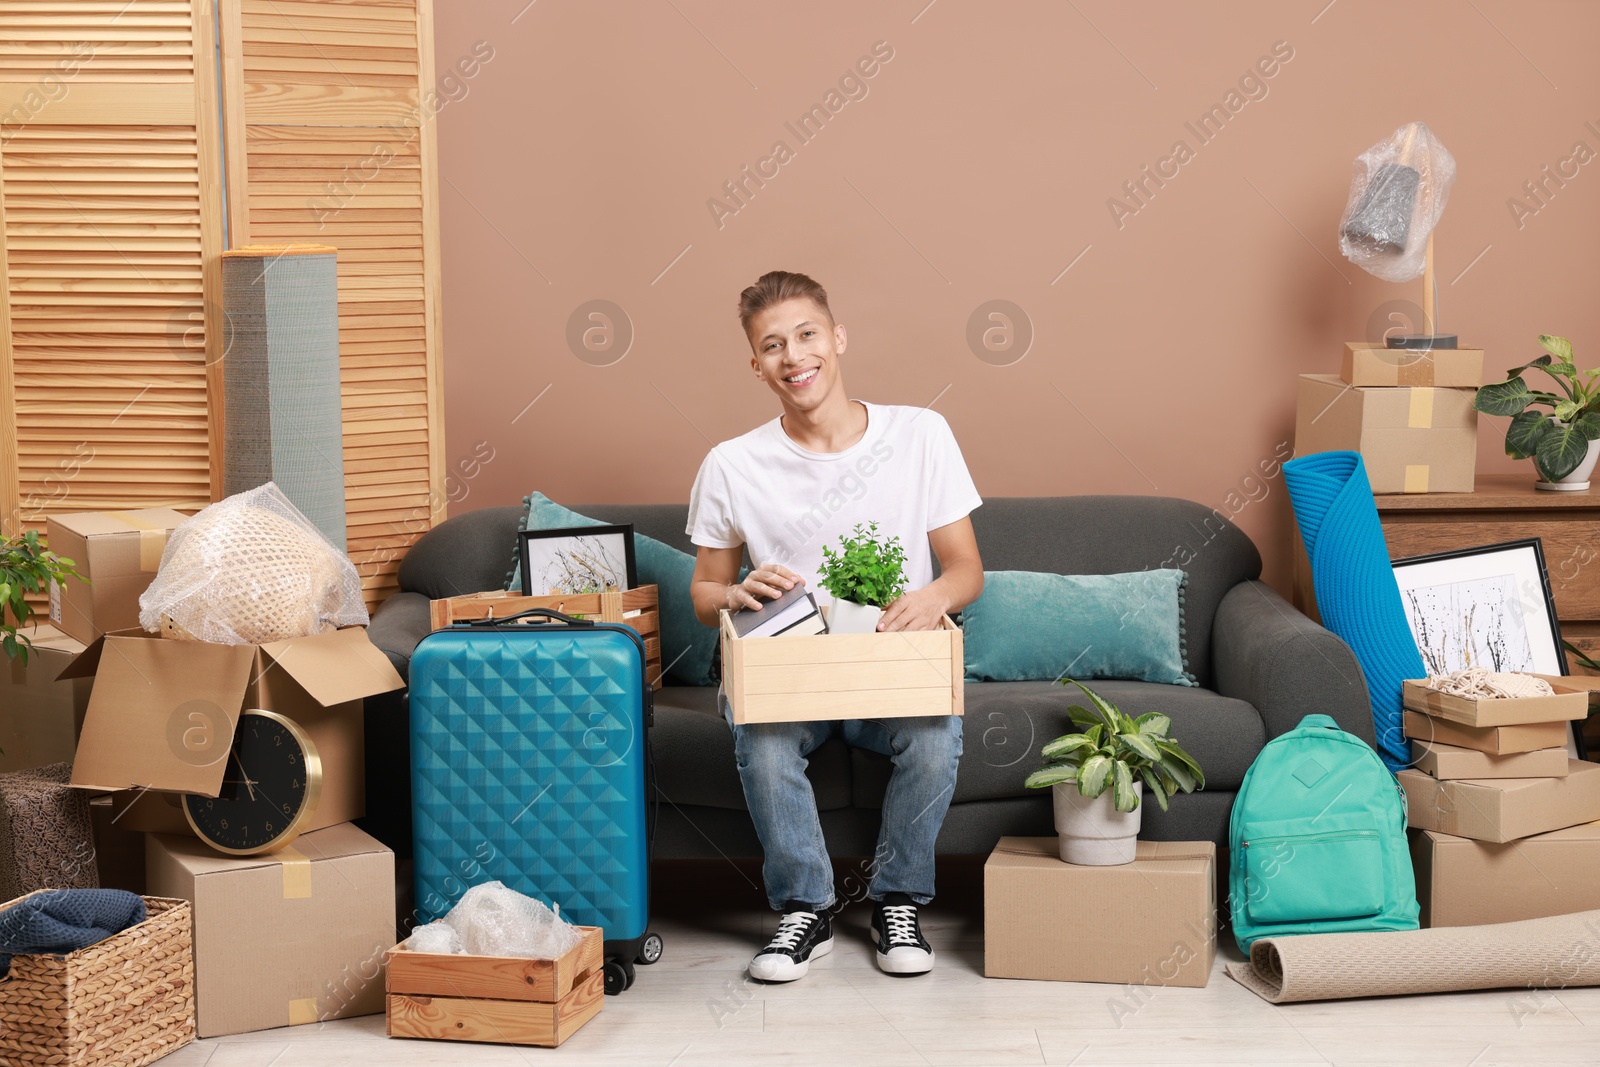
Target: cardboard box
118, 849
491, 998
162, 712
1376, 364
1503, 809
1412, 440
1151, 922
119, 553
843, 676
1449, 762
1566, 704
1497, 740
294, 937
1461, 882
41, 715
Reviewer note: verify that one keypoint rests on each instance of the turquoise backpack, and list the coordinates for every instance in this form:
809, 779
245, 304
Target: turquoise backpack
1317, 840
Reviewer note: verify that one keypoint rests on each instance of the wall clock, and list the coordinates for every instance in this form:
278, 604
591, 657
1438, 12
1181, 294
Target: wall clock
269, 788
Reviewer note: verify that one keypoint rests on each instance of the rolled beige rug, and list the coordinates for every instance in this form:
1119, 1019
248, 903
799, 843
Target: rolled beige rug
1560, 952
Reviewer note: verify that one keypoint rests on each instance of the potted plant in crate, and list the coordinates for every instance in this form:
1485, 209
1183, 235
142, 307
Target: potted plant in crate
1565, 444
26, 567
865, 576
1115, 753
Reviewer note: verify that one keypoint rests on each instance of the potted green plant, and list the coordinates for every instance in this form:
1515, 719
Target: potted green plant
1564, 444
865, 576
26, 567
1115, 753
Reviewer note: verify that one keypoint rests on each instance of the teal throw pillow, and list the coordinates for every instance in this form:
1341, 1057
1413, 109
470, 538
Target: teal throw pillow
688, 646
1041, 627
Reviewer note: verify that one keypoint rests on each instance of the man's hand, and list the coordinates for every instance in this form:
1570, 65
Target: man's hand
770, 580
920, 609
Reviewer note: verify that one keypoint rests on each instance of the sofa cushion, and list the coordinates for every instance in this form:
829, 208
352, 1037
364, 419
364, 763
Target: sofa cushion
694, 755
1008, 722
1033, 626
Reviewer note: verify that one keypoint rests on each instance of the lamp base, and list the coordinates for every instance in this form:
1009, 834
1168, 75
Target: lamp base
1425, 342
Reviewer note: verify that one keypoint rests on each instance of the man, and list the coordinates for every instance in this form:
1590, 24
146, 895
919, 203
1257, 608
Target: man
786, 489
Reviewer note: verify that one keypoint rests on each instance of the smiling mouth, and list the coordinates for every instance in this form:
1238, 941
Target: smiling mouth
802, 378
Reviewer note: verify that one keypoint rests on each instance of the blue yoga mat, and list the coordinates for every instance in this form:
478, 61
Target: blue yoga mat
1356, 591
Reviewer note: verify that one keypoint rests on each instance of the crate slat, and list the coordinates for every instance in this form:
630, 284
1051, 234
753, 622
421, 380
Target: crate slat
506, 1022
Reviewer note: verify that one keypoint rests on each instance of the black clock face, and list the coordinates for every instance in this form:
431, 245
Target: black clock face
269, 788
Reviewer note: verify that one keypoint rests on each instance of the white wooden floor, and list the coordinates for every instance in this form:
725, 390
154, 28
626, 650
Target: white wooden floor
695, 1008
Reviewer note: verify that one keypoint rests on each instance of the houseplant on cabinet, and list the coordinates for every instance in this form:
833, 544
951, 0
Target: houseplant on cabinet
865, 576
1564, 444
26, 566
1115, 753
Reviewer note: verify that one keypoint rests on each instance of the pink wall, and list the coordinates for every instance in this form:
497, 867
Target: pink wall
577, 165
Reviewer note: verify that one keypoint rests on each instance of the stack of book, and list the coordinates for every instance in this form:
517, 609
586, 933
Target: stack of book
794, 614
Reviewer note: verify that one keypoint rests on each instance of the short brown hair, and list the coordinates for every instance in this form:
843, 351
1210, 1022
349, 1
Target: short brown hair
776, 286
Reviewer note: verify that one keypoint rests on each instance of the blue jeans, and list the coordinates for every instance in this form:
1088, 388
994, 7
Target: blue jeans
772, 761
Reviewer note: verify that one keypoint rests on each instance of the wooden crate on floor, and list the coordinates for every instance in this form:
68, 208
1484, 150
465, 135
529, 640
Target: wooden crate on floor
888, 674
614, 605
502, 999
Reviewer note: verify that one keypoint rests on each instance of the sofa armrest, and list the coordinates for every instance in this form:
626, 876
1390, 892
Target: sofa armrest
398, 625
1286, 666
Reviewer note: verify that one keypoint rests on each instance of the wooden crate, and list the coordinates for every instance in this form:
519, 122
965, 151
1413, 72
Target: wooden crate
892, 674
500, 999
613, 605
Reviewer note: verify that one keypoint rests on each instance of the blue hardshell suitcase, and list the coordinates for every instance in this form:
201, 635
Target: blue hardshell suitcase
530, 766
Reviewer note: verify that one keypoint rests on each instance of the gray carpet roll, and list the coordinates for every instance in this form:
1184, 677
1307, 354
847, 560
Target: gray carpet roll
1559, 952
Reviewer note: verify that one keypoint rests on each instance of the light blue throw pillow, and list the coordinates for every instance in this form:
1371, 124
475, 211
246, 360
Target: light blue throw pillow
688, 646
1041, 627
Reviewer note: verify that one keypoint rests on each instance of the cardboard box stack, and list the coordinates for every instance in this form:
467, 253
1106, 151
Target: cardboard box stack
1409, 413
1151, 922
1497, 807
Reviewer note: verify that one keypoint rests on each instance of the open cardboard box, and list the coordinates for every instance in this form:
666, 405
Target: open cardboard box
887, 674
162, 712
1566, 704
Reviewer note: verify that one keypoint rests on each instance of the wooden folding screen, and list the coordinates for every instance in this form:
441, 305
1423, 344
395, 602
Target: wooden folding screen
114, 161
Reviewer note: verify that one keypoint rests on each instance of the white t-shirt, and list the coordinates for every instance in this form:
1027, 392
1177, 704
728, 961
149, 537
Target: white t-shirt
765, 491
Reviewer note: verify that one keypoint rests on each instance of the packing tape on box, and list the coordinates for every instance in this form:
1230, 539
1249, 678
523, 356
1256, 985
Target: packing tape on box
1416, 478
302, 1011
1421, 415
296, 874
152, 539
1418, 372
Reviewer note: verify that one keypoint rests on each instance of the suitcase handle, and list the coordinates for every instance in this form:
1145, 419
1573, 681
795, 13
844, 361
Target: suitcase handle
544, 613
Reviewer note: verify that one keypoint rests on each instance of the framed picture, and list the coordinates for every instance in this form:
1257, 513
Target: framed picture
577, 559
1485, 607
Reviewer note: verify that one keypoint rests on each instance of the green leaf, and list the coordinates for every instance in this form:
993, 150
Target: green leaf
1566, 409
1153, 723
1154, 786
1560, 451
1107, 710
1525, 432
1588, 424
1093, 775
1503, 398
1559, 347
1180, 774
1045, 777
1082, 715
1142, 745
1123, 798
1065, 746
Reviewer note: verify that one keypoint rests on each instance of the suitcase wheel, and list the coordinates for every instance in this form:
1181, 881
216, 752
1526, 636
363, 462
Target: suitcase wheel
619, 976
650, 951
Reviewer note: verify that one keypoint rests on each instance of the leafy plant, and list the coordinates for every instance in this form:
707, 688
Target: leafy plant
866, 570
26, 567
1557, 443
1112, 750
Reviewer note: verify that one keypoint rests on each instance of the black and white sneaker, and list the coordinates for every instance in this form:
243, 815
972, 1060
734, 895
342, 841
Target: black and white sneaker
804, 933
901, 947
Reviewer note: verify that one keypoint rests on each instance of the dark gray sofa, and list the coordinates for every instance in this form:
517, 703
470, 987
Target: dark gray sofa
1261, 666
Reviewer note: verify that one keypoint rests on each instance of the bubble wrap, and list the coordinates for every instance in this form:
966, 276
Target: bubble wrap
438, 937
251, 569
1400, 188
496, 921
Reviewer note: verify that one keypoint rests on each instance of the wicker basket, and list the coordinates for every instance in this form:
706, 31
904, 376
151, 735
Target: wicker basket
127, 1001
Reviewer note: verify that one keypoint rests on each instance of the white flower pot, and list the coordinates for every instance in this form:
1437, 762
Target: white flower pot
1578, 480
1093, 833
848, 617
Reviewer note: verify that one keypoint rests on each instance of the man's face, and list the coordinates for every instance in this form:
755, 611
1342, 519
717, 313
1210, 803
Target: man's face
796, 348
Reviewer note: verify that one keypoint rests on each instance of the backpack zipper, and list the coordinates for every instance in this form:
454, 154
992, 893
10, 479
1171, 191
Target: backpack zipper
1331, 835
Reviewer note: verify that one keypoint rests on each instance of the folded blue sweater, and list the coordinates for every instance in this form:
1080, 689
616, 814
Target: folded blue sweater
59, 921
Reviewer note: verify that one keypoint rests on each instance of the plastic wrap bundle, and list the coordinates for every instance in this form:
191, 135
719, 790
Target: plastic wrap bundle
496, 921
251, 569
439, 937
1400, 188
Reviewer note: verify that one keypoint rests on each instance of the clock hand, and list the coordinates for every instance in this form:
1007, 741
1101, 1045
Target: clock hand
249, 783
